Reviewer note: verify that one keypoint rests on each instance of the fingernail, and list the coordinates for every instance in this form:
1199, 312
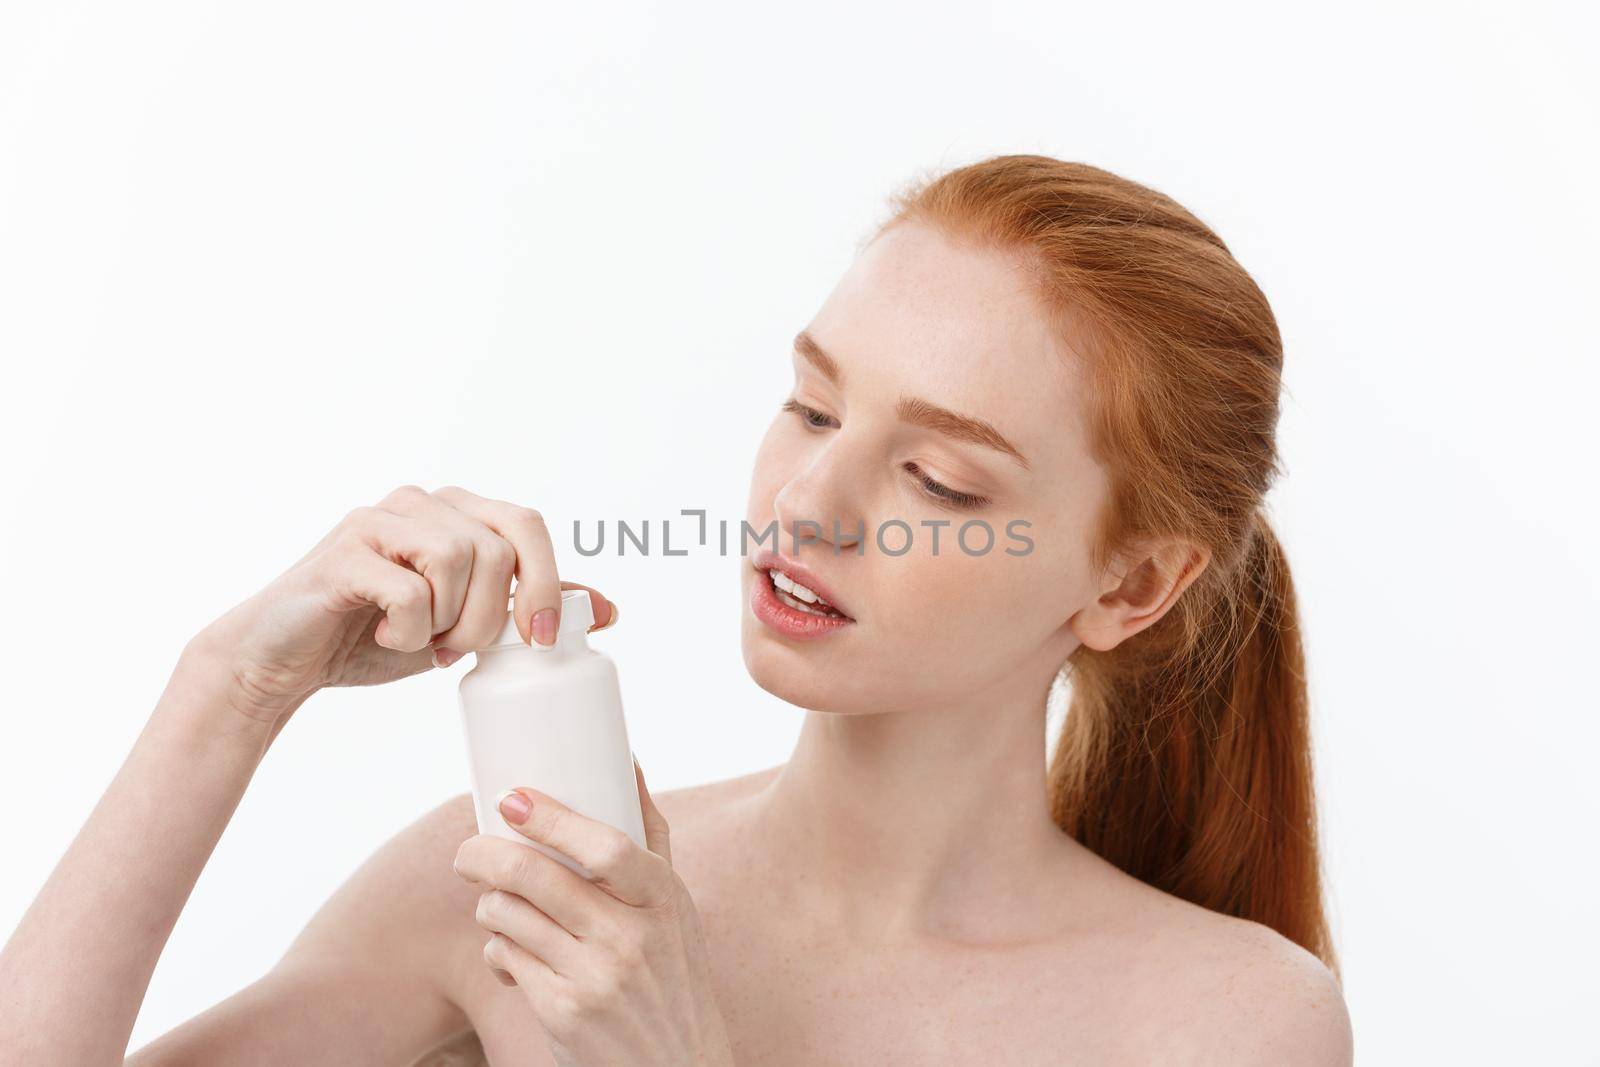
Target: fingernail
515, 807
443, 657
544, 626
612, 621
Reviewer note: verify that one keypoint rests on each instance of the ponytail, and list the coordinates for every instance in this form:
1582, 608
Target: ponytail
1185, 755
1191, 770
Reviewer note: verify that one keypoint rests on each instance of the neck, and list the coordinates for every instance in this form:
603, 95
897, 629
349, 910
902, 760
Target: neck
917, 822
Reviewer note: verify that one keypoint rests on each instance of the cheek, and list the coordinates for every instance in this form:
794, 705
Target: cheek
934, 601
942, 630
972, 609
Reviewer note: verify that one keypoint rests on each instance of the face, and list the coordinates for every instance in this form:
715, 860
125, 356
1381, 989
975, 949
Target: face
929, 395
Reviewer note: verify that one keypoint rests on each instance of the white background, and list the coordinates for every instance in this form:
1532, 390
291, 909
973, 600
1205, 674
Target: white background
262, 263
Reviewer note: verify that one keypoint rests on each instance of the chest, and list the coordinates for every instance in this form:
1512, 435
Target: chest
791, 997
809, 1008
789, 1002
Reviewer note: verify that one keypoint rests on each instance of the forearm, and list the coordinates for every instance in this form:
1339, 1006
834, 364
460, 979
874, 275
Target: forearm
75, 971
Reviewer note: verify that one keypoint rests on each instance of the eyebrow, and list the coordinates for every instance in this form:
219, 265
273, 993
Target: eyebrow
914, 410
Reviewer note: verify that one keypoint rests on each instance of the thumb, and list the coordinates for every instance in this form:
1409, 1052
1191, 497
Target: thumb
657, 834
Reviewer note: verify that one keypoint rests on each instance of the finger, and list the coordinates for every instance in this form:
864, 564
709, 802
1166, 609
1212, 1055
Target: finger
605, 612
631, 874
542, 881
444, 657
500, 912
538, 585
484, 611
492, 562
359, 574
440, 555
507, 959
656, 832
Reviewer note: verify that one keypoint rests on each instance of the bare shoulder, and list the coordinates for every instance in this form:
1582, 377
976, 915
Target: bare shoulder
1244, 993
1280, 1003
407, 884
708, 799
703, 820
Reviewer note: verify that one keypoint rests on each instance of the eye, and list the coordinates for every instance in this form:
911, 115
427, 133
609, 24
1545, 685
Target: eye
943, 493
813, 418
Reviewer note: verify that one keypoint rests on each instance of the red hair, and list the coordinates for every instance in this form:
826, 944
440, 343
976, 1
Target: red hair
1185, 755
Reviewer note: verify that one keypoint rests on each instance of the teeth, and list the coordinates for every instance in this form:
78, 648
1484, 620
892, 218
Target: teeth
800, 592
800, 606
797, 596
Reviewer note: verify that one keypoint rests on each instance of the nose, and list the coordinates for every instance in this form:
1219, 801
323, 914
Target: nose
820, 502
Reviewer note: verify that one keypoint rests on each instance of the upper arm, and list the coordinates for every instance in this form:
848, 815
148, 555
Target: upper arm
369, 979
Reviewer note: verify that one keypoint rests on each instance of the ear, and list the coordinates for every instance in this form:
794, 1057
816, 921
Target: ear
1143, 587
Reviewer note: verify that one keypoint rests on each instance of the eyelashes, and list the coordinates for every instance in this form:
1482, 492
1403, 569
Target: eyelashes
808, 415
940, 493
944, 492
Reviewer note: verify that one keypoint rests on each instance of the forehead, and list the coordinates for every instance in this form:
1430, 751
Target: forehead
921, 314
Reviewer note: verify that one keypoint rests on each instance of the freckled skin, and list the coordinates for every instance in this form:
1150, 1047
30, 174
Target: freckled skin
916, 316
895, 893
1127, 974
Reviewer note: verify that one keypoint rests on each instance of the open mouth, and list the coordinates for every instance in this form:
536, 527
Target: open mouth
792, 594
791, 600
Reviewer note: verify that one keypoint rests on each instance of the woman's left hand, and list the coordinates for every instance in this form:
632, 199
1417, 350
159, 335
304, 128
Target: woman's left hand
615, 969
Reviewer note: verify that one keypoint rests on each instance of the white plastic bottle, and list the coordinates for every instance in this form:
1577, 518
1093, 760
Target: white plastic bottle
550, 717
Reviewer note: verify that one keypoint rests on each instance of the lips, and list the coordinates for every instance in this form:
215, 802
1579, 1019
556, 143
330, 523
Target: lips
765, 559
789, 622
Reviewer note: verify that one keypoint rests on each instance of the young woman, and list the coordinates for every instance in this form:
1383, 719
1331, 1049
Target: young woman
1069, 357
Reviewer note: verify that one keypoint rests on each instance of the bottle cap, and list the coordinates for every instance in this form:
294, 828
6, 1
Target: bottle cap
577, 615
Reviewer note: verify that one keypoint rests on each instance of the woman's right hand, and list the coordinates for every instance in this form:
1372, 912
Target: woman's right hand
386, 588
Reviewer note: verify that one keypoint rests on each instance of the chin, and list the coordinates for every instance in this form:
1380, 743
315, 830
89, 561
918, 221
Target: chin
821, 674
800, 675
